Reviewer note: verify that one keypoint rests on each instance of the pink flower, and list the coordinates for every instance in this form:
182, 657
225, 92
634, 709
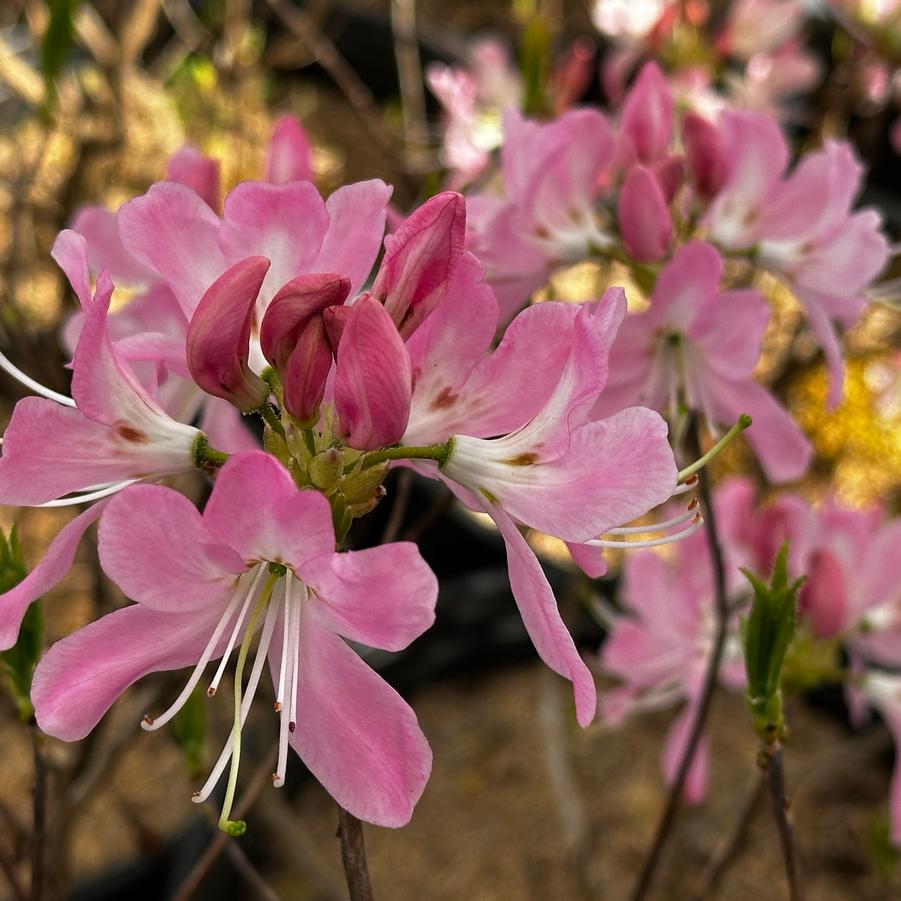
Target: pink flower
698, 346
800, 226
553, 173
660, 646
552, 468
262, 554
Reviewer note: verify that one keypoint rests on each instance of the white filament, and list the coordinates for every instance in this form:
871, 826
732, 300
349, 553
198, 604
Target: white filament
90, 495
33, 385
653, 542
657, 526
214, 685
252, 683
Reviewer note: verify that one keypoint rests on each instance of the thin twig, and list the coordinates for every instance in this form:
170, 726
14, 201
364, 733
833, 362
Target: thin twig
403, 486
775, 780
261, 778
353, 856
349, 83
721, 616
412, 84
250, 873
442, 503
39, 808
732, 847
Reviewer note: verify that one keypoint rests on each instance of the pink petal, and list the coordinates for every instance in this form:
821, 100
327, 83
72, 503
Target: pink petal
676, 745
542, 620
356, 228
70, 252
284, 223
289, 153
80, 677
704, 153
685, 285
647, 116
373, 384
420, 258
172, 231
51, 570
50, 450
224, 425
100, 229
355, 733
824, 596
730, 331
383, 597
155, 546
257, 509
188, 166
644, 218
589, 559
218, 340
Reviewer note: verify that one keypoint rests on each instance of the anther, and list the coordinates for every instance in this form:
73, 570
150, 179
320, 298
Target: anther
148, 719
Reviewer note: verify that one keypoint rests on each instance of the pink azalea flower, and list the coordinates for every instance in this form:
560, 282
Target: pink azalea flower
474, 98
698, 346
660, 646
262, 555
800, 226
552, 468
111, 432
553, 173
852, 590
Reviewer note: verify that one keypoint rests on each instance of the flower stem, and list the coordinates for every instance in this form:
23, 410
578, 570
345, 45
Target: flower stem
353, 856
270, 417
721, 624
744, 421
239, 827
438, 452
205, 456
771, 761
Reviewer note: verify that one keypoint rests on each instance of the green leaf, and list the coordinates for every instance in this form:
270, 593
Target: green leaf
21, 659
57, 42
189, 729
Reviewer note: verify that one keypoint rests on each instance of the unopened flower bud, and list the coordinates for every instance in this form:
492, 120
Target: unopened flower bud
218, 340
325, 468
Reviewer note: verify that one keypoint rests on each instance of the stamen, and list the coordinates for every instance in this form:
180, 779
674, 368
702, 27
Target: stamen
199, 797
658, 526
284, 704
286, 625
90, 496
214, 685
294, 650
687, 485
653, 542
150, 723
30, 383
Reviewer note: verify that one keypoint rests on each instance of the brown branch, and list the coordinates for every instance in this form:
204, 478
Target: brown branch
772, 763
353, 856
721, 612
39, 822
412, 85
403, 486
732, 847
261, 778
442, 503
250, 873
9, 871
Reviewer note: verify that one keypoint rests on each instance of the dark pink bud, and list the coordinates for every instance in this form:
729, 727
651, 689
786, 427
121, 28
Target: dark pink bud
190, 167
644, 218
704, 152
218, 339
420, 258
294, 340
373, 382
289, 153
335, 319
647, 118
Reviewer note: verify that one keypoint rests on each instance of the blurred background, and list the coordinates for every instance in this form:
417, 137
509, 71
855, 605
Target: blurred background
94, 96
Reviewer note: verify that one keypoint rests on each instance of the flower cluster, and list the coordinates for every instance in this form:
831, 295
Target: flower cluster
271, 309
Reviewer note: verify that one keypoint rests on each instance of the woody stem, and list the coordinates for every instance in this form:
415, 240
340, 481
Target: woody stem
353, 856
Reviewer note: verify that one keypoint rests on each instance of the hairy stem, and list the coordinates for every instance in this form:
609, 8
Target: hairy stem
721, 623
